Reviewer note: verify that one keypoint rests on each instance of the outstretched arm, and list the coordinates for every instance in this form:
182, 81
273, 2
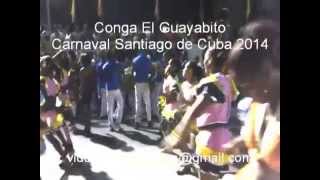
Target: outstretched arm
183, 126
55, 57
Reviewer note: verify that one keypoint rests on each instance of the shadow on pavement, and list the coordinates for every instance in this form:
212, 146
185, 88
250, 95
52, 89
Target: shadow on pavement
150, 130
42, 147
98, 124
111, 142
94, 123
137, 136
84, 169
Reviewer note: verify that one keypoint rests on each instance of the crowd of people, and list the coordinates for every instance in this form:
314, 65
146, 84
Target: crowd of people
195, 95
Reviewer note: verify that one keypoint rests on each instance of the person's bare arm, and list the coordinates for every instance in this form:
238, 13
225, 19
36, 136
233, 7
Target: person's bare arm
183, 126
55, 57
191, 113
235, 146
194, 107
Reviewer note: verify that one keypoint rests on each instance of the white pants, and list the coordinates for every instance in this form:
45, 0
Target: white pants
114, 97
74, 109
142, 93
104, 105
155, 99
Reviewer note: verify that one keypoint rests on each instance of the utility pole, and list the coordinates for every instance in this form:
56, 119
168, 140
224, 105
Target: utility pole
157, 11
48, 14
201, 10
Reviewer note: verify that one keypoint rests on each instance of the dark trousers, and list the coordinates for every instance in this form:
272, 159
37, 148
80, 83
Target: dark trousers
84, 114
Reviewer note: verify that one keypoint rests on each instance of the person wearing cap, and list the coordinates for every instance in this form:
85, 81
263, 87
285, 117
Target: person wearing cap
112, 74
142, 72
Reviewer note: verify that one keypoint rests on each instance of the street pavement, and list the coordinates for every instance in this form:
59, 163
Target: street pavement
128, 155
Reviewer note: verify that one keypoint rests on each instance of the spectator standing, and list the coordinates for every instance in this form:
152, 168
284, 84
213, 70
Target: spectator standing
142, 73
112, 72
87, 88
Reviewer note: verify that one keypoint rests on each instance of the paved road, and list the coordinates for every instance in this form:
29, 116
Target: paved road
131, 155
